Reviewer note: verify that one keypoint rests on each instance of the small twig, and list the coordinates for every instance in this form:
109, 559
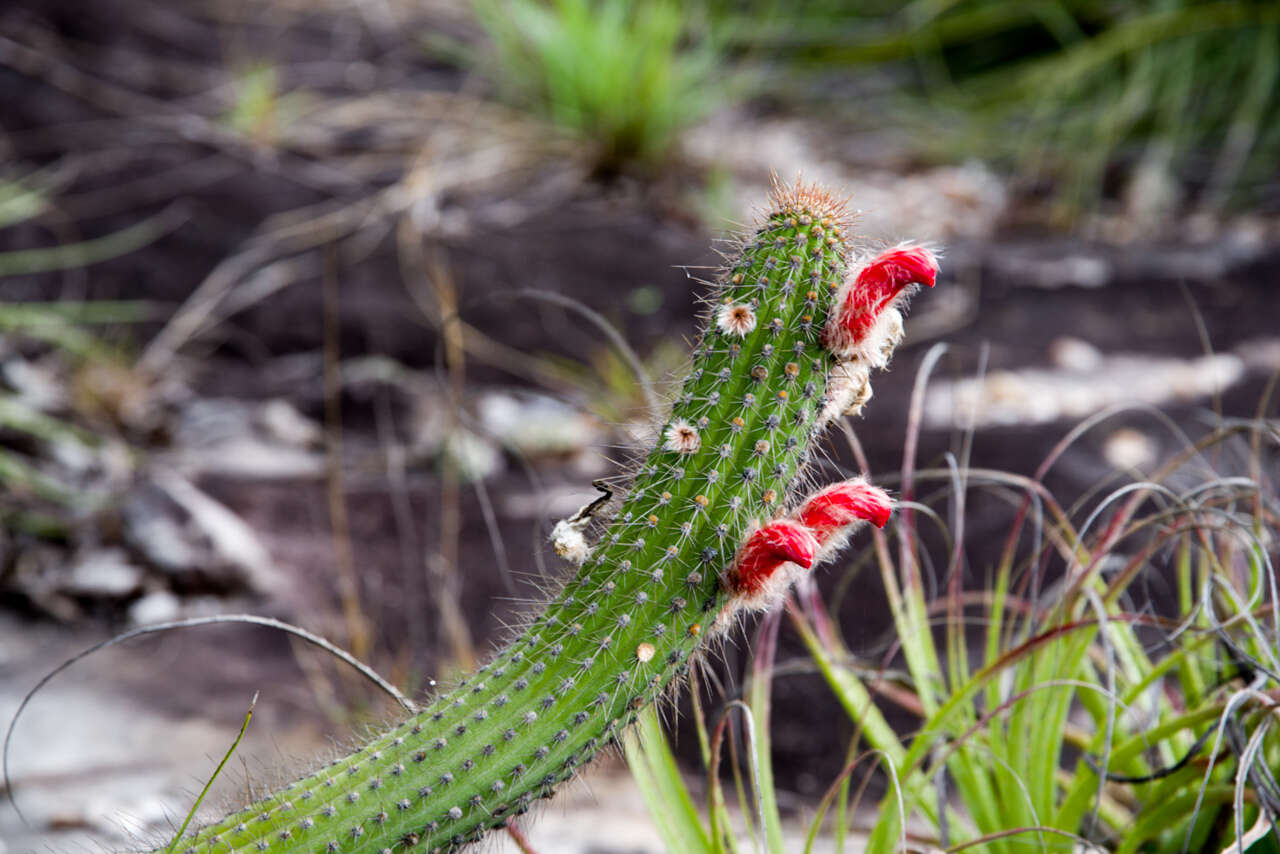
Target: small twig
628, 354
443, 571
216, 771
339, 524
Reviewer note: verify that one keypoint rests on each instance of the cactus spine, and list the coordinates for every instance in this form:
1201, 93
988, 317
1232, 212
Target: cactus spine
628, 622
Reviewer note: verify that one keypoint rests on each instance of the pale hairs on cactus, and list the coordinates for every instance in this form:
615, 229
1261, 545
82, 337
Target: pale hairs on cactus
709, 528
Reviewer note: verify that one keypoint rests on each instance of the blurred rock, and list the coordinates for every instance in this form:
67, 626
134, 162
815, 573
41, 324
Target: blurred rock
159, 606
1260, 354
363, 373
535, 425
153, 527
529, 424
237, 438
1127, 449
233, 542
182, 531
471, 456
35, 574
1038, 395
1073, 354
36, 384
72, 454
285, 424
1051, 267
103, 573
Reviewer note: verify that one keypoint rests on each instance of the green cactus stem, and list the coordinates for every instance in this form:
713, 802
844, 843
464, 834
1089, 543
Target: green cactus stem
629, 621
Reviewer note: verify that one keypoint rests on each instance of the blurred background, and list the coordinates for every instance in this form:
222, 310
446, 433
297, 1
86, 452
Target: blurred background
328, 310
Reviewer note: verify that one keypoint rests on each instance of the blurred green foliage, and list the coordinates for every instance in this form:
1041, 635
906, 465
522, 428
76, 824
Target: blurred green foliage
63, 375
261, 110
627, 75
1084, 97
1169, 104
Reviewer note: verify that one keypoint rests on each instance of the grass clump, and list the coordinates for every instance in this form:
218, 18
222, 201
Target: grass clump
627, 76
66, 390
1164, 106
1111, 687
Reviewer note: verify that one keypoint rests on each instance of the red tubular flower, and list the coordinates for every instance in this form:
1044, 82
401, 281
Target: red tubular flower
875, 287
768, 550
829, 514
775, 556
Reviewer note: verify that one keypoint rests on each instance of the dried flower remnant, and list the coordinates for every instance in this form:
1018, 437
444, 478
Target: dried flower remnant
848, 390
736, 319
568, 537
682, 437
569, 542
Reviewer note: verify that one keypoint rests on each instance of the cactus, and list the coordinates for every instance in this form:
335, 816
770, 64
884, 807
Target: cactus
700, 536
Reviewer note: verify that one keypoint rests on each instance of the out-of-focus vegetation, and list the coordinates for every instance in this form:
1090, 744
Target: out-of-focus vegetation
25, 198
1152, 101
259, 110
626, 76
1168, 106
55, 455
59, 338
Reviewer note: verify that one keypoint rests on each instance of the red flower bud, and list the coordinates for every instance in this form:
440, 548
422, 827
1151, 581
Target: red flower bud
767, 550
832, 511
875, 287
894, 269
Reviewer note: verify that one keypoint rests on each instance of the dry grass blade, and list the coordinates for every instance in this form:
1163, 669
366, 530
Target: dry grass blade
616, 339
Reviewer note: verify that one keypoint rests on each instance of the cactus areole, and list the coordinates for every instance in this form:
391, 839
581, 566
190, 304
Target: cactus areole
710, 526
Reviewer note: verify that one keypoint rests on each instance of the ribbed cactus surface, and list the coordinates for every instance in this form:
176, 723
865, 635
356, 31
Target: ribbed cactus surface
645, 597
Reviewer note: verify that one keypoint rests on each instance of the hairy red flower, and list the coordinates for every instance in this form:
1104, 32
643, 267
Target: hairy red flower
768, 550
874, 288
832, 511
892, 270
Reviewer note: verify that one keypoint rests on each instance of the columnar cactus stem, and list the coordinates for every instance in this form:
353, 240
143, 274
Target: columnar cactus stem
629, 621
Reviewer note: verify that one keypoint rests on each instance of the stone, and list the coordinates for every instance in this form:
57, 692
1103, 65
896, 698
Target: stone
158, 606
103, 573
535, 425
180, 529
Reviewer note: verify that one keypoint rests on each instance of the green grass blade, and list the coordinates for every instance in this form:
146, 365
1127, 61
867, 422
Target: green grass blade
24, 262
665, 794
852, 694
177, 837
757, 723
